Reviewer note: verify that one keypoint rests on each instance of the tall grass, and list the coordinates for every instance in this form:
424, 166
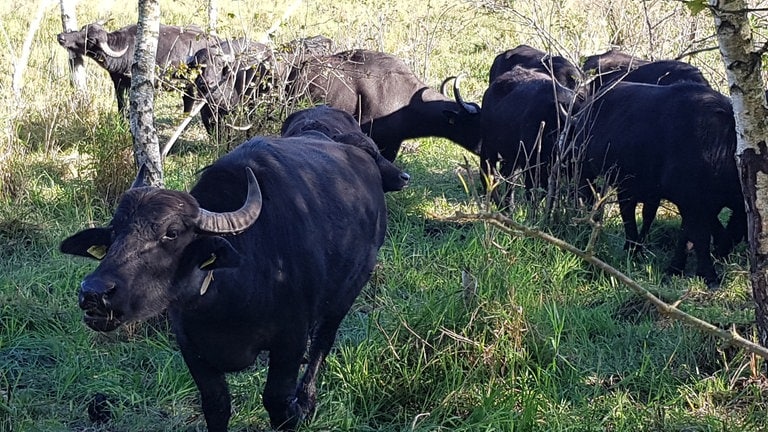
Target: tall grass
462, 328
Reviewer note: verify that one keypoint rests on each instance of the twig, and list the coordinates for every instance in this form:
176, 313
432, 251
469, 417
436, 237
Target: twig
509, 226
195, 109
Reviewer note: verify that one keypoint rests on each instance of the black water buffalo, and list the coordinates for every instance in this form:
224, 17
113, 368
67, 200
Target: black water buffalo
237, 72
565, 72
524, 111
672, 142
266, 252
614, 65
389, 101
229, 76
339, 126
114, 52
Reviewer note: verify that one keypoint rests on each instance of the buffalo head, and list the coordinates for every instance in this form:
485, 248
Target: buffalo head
91, 40
157, 238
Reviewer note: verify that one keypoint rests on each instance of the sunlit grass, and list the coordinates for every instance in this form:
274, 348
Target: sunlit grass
462, 328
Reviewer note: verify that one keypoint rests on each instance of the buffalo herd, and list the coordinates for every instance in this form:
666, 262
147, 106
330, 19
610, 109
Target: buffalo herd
271, 246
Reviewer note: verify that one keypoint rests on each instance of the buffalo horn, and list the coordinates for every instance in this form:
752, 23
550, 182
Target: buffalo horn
235, 221
110, 52
467, 107
141, 177
444, 84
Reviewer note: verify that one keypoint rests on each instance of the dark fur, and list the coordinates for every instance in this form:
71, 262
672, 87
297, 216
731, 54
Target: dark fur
615, 65
339, 126
667, 142
174, 45
514, 107
528, 57
289, 278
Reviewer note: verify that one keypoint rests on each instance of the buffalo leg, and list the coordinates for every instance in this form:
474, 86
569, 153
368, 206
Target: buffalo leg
650, 207
122, 89
627, 209
214, 393
279, 391
322, 341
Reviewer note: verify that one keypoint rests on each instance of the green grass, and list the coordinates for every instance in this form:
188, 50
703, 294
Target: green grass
541, 342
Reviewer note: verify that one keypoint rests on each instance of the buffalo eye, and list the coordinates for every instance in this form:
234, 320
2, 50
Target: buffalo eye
171, 234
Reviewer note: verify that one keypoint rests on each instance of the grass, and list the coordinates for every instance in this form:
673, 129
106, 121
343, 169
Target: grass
539, 341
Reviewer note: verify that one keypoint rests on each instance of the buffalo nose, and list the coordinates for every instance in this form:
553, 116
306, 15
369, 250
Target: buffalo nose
405, 177
94, 293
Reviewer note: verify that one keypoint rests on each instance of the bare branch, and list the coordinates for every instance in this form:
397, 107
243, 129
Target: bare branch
509, 226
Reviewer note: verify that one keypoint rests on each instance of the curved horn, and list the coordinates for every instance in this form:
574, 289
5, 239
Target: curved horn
141, 177
237, 221
444, 84
465, 106
110, 52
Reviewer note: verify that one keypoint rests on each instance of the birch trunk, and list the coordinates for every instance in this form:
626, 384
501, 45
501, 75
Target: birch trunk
146, 146
76, 61
213, 16
743, 66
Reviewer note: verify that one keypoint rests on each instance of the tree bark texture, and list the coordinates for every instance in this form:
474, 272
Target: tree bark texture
213, 16
743, 66
146, 146
76, 61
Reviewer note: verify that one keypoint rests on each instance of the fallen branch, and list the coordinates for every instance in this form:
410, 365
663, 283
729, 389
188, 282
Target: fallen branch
195, 109
511, 227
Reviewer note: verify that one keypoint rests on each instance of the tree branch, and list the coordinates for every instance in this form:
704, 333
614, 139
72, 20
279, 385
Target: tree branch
509, 226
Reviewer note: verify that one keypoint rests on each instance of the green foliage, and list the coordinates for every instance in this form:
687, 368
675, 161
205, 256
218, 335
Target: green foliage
461, 328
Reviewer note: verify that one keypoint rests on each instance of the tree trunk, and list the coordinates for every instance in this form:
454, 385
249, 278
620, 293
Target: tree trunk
213, 16
76, 61
742, 66
21, 63
145, 142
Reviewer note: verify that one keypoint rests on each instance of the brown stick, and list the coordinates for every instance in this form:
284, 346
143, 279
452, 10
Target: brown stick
509, 226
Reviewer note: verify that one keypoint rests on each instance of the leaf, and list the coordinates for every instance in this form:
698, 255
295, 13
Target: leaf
696, 6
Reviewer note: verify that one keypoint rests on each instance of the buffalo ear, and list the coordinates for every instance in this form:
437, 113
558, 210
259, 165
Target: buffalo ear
91, 243
210, 253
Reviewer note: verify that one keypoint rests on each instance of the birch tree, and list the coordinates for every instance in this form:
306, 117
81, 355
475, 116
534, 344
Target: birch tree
213, 16
743, 70
76, 61
142, 99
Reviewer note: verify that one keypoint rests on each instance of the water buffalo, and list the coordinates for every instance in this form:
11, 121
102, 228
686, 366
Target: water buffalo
614, 65
229, 76
388, 100
565, 72
524, 111
235, 73
339, 126
114, 52
672, 142
266, 252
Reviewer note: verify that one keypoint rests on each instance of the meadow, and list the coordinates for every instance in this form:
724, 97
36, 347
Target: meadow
462, 327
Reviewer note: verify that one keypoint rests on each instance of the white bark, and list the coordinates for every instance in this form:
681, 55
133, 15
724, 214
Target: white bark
213, 16
146, 146
743, 69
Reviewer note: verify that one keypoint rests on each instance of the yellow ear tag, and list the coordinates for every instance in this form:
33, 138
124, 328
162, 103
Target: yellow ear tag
208, 262
206, 282
97, 252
